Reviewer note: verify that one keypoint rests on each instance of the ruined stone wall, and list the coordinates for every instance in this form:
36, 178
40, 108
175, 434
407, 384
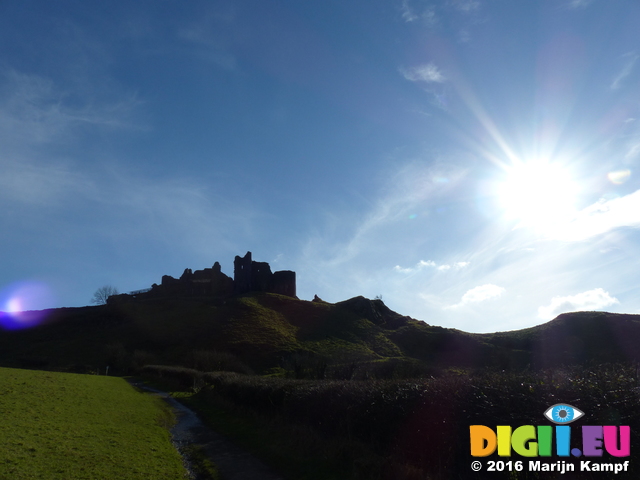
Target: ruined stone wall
209, 282
249, 276
260, 277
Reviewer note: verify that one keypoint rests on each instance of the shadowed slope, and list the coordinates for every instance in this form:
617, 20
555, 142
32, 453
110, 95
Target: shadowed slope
264, 330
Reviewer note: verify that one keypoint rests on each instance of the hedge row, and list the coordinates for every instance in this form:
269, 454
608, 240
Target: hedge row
426, 422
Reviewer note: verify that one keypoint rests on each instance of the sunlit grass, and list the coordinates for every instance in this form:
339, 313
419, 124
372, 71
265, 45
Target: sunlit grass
68, 426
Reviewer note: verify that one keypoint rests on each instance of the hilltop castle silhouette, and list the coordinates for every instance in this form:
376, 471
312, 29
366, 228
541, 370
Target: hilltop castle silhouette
248, 276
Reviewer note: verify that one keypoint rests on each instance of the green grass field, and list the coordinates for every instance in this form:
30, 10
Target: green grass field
68, 426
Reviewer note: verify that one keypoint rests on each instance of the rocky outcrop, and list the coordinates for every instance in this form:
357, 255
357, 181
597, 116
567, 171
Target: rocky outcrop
375, 311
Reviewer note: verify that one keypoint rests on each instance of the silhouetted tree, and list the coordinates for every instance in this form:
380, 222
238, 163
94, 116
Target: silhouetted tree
103, 293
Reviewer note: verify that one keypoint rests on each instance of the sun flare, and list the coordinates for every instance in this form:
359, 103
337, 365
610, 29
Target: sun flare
538, 194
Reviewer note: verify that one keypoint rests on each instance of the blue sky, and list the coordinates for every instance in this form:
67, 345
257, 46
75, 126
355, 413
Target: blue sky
472, 161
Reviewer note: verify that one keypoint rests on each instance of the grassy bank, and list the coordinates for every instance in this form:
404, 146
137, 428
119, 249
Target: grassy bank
62, 426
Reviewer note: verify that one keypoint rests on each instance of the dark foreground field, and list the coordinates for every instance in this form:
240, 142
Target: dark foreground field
406, 429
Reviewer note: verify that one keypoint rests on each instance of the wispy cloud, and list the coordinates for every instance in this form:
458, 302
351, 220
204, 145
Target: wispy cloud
576, 4
347, 242
630, 60
601, 217
595, 299
209, 37
429, 73
422, 265
464, 36
35, 115
429, 17
208, 48
409, 189
426, 14
465, 6
479, 294
34, 109
408, 14
633, 152
165, 209
43, 169
36, 183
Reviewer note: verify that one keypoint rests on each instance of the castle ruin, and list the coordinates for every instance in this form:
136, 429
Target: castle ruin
248, 276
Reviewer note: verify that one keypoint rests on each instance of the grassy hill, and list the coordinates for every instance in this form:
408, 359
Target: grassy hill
267, 332
61, 426
573, 338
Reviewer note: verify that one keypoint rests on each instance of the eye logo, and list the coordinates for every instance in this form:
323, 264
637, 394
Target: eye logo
561, 413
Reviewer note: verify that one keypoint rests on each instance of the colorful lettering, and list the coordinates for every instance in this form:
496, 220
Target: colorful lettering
531, 441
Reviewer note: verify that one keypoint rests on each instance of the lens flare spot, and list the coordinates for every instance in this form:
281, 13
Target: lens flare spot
22, 305
14, 305
619, 176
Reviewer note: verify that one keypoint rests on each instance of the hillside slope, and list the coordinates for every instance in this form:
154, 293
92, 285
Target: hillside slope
268, 330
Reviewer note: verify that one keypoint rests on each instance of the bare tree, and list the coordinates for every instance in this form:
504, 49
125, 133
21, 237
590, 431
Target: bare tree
103, 293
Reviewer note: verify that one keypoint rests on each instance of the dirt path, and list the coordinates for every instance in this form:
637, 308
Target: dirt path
233, 463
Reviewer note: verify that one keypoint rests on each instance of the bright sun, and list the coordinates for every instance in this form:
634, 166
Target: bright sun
538, 194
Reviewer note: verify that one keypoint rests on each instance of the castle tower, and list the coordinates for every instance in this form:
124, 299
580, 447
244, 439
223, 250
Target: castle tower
284, 283
242, 273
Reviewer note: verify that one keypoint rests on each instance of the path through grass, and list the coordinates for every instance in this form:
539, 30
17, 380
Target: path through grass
68, 426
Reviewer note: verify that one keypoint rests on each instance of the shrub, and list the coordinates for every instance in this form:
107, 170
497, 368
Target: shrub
423, 425
213, 360
186, 378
